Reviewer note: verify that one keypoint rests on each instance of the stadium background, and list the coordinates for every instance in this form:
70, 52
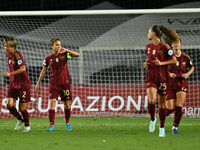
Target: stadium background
117, 70
118, 66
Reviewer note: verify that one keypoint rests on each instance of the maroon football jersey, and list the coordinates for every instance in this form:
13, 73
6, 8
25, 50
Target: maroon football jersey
59, 74
179, 69
14, 63
162, 52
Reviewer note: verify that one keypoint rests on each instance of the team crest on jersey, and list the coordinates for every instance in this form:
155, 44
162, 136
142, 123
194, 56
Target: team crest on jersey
9, 61
177, 63
170, 52
13, 62
56, 59
154, 52
63, 57
191, 62
160, 52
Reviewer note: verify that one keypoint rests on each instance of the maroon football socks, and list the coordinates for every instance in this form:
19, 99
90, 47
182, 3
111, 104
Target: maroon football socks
152, 109
162, 117
178, 116
26, 117
67, 115
15, 113
51, 117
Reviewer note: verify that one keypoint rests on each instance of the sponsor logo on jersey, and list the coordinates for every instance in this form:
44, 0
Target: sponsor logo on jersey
160, 52
154, 52
13, 62
170, 52
177, 63
56, 59
19, 62
9, 61
184, 63
191, 62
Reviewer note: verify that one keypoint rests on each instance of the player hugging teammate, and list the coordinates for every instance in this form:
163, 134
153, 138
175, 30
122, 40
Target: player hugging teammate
163, 70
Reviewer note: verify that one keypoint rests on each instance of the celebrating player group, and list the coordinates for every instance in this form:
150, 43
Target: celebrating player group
166, 78
19, 87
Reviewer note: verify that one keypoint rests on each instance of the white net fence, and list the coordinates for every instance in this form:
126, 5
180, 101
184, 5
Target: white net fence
108, 78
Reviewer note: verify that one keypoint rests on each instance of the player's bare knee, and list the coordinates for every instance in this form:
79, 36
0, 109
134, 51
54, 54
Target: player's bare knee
10, 103
180, 104
67, 105
152, 101
22, 107
52, 104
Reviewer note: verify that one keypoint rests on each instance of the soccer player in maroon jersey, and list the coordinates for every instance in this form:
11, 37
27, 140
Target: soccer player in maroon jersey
159, 57
60, 80
178, 84
19, 86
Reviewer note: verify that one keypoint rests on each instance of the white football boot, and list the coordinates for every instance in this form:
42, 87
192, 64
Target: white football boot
18, 125
27, 129
152, 125
162, 132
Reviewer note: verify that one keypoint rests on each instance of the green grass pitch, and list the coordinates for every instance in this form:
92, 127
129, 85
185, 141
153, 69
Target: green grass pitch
117, 133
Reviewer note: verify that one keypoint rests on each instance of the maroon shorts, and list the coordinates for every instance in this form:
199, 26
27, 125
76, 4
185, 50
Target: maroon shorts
22, 93
161, 87
172, 92
62, 90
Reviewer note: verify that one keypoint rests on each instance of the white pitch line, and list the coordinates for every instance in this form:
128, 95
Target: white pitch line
94, 124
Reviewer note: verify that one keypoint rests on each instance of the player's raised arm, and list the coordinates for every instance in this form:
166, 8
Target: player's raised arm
72, 53
42, 73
